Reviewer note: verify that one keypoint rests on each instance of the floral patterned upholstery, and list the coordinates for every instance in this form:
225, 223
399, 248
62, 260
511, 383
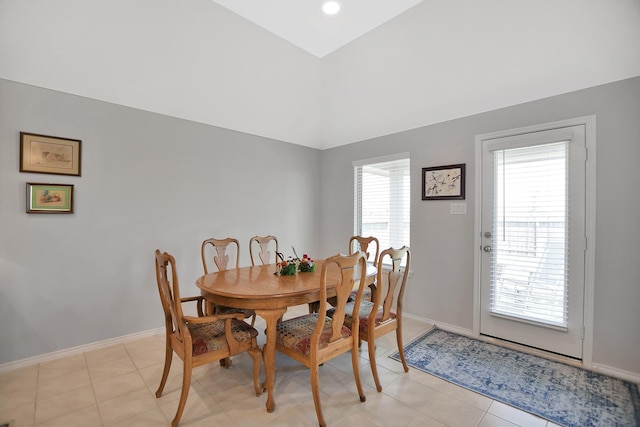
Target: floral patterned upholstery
223, 309
296, 333
366, 295
210, 336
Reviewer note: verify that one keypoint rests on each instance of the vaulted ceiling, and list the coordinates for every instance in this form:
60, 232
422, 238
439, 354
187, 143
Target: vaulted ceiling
303, 23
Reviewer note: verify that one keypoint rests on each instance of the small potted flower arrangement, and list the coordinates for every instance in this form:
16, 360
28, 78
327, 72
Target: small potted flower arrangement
287, 268
306, 264
292, 265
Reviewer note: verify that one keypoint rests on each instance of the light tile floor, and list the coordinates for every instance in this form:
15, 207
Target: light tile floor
116, 386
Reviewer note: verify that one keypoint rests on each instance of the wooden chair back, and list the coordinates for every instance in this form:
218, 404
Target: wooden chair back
225, 254
169, 288
385, 309
390, 283
360, 243
352, 270
370, 246
261, 245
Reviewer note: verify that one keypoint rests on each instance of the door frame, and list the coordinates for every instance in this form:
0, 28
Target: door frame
590, 221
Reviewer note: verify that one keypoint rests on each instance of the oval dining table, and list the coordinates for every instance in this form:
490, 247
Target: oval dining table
269, 295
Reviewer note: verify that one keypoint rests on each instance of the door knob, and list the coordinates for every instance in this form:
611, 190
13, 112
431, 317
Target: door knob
486, 248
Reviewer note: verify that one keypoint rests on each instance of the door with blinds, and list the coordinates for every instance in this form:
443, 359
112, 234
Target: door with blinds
533, 239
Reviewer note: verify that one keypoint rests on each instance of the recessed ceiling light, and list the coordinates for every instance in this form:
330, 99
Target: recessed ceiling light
331, 7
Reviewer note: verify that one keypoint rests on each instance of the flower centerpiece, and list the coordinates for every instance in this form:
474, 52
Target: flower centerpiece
287, 268
292, 265
306, 264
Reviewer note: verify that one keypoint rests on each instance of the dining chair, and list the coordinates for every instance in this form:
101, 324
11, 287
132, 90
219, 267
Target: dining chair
360, 243
314, 338
202, 339
223, 254
384, 313
263, 244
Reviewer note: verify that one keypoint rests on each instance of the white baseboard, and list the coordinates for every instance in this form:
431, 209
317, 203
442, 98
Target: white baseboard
10, 366
615, 372
454, 329
440, 325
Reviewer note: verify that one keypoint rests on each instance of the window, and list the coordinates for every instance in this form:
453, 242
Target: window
382, 199
530, 250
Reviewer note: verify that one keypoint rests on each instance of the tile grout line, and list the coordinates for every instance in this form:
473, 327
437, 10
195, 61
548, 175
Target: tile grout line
93, 388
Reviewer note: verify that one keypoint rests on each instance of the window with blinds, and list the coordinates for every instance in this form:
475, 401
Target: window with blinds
382, 199
529, 263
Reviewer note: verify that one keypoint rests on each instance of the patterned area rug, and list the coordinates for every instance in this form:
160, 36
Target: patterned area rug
560, 393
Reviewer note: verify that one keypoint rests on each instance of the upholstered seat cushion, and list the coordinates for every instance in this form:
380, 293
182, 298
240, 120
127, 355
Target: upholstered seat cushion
208, 337
366, 295
296, 333
223, 309
365, 310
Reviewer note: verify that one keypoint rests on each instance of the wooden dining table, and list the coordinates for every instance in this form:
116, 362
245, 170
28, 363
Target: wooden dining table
269, 295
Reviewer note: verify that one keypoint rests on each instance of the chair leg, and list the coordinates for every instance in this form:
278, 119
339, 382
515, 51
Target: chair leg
315, 389
356, 373
168, 357
400, 346
256, 355
371, 344
186, 383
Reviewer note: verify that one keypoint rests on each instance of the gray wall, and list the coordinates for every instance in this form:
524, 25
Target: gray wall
442, 244
148, 181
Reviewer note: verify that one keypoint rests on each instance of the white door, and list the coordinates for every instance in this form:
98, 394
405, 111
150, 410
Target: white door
533, 239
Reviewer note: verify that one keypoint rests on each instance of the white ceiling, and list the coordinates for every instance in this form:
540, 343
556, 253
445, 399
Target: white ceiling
303, 23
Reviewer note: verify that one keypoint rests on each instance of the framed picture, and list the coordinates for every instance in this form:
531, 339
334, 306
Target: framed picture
443, 182
49, 198
49, 154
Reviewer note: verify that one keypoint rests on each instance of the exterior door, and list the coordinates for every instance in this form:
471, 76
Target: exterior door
532, 254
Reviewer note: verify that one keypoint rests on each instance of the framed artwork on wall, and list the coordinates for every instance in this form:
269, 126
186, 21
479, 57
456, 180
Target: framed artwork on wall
443, 182
49, 198
49, 154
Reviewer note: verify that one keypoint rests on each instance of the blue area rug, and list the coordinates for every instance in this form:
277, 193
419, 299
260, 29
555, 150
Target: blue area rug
564, 394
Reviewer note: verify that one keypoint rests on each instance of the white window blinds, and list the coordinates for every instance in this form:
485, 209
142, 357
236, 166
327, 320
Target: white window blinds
530, 234
382, 200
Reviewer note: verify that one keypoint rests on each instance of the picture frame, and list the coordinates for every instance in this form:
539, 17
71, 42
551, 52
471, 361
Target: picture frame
49, 198
49, 154
444, 182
